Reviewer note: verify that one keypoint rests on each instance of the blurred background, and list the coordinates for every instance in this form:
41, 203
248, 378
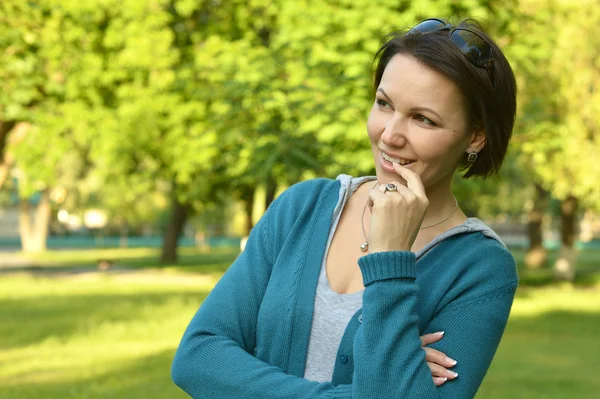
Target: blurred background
140, 140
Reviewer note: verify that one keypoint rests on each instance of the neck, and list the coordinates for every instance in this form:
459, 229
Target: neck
441, 204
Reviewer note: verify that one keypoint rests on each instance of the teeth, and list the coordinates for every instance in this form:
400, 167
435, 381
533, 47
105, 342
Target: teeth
396, 160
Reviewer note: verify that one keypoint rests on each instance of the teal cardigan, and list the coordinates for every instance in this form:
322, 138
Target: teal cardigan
250, 336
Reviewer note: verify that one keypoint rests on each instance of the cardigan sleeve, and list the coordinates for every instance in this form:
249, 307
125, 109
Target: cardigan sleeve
388, 357
214, 359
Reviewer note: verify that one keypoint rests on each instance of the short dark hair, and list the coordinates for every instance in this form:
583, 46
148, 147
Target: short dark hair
489, 96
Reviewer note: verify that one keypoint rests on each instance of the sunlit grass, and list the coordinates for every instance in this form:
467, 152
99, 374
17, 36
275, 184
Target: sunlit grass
549, 343
94, 336
113, 335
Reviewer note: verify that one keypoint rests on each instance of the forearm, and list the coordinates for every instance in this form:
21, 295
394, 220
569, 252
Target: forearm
212, 367
388, 357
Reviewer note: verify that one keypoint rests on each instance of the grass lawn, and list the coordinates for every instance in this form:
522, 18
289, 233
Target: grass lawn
77, 334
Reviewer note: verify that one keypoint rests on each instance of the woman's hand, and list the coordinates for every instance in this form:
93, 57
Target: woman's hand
437, 361
397, 215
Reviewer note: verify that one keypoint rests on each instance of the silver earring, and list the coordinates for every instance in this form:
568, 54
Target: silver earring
472, 157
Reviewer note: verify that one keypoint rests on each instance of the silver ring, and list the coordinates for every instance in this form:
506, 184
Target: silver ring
390, 187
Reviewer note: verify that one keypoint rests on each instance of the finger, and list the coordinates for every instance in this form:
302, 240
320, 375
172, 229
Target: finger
371, 198
439, 371
439, 380
401, 193
413, 181
370, 204
403, 190
431, 338
381, 197
375, 196
435, 356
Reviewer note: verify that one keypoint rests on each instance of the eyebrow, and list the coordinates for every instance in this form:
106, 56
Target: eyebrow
384, 94
412, 109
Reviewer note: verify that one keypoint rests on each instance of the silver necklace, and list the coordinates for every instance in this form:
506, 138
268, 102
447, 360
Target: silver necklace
365, 245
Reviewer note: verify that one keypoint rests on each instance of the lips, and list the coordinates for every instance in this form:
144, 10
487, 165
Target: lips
398, 160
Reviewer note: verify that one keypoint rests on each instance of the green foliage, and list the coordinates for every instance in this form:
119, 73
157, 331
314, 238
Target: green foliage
135, 101
188, 83
558, 74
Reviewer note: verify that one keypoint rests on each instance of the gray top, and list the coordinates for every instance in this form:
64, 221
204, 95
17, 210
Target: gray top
333, 311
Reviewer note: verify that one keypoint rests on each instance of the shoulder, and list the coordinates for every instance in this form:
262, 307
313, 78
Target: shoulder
302, 201
315, 186
485, 256
479, 266
308, 193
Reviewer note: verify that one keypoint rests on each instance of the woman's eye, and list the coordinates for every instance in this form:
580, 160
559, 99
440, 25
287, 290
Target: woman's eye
424, 120
382, 103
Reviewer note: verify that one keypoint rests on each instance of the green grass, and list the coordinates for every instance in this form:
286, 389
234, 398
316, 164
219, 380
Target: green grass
548, 346
127, 257
78, 335
94, 336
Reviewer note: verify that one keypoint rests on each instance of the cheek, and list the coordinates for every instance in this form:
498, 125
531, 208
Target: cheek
374, 125
432, 148
445, 153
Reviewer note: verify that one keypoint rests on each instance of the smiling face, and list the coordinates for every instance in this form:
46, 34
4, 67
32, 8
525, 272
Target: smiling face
418, 119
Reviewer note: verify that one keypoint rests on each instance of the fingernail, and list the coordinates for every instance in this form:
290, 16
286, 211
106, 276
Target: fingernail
449, 360
454, 374
441, 379
439, 333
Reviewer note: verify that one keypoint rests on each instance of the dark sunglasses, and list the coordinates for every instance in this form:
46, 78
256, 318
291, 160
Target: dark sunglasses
473, 46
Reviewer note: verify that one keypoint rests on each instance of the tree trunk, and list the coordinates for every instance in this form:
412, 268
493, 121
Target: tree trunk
17, 132
270, 191
34, 233
564, 268
247, 197
5, 128
536, 254
179, 215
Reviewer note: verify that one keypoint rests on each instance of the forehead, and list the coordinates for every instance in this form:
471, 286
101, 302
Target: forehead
407, 79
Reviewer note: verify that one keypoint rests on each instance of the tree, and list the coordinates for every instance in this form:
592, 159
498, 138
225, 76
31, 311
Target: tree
192, 100
26, 80
537, 254
559, 112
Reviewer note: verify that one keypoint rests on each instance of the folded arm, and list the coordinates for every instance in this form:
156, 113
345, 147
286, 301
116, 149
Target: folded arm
215, 360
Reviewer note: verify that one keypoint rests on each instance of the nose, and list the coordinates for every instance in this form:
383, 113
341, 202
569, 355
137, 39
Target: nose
394, 134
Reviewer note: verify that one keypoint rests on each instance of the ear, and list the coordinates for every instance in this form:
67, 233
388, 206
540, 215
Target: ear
477, 141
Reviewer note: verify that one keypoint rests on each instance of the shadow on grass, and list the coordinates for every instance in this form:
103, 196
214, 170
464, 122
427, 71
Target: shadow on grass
216, 262
143, 378
27, 321
546, 356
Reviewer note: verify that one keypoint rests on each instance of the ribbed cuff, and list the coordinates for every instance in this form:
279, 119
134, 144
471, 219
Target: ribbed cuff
387, 265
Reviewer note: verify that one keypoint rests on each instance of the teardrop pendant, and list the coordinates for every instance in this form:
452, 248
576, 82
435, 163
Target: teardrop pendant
364, 246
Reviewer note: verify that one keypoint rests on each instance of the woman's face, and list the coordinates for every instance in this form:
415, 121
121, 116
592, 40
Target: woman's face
418, 119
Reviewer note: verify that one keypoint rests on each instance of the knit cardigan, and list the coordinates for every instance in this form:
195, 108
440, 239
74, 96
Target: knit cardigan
250, 336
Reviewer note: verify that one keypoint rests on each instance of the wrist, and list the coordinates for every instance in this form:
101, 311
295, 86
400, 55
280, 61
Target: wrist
386, 265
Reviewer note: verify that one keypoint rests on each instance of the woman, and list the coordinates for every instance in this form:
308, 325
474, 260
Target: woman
330, 300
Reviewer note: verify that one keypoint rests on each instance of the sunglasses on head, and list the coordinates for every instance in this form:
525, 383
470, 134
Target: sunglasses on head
473, 46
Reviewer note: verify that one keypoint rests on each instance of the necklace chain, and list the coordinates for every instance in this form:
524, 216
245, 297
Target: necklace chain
365, 245
446, 218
